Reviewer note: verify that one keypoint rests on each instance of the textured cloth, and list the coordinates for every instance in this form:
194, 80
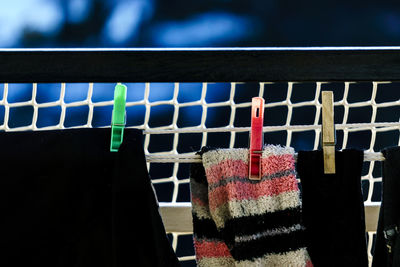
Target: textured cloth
242, 222
66, 200
389, 215
333, 209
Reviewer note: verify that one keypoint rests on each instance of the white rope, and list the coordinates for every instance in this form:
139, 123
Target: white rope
348, 126
193, 158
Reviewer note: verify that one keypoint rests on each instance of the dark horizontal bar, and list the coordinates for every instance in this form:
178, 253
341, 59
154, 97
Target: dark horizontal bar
200, 65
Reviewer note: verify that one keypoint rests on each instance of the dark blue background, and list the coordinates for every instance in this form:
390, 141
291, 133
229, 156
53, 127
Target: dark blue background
173, 23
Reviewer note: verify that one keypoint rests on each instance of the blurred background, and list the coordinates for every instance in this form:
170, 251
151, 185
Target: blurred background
173, 23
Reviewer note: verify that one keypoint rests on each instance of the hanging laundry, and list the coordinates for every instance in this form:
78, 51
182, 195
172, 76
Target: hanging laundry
66, 200
333, 209
243, 222
387, 246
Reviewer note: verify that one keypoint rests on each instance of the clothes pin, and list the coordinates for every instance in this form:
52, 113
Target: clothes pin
256, 138
118, 117
328, 132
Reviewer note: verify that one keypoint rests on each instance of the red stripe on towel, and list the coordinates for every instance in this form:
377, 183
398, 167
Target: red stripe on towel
226, 168
242, 190
277, 163
208, 249
199, 202
238, 168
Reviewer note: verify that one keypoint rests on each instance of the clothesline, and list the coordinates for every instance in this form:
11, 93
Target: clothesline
193, 158
199, 129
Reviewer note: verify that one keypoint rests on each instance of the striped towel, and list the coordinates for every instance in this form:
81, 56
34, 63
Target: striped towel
241, 222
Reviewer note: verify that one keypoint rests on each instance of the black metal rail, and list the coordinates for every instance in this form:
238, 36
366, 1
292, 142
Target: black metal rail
200, 65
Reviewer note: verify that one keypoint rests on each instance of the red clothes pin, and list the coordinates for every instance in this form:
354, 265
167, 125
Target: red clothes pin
256, 138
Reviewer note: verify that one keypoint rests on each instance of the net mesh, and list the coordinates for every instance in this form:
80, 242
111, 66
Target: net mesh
179, 118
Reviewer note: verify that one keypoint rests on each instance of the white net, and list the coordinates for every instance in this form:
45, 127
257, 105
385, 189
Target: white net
179, 118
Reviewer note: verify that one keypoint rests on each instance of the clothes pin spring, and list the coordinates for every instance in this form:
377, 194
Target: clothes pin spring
328, 132
256, 138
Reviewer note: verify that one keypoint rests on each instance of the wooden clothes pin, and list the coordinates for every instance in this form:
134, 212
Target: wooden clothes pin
328, 132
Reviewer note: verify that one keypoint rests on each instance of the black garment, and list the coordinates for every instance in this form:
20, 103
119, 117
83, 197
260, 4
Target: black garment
66, 200
333, 209
389, 214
